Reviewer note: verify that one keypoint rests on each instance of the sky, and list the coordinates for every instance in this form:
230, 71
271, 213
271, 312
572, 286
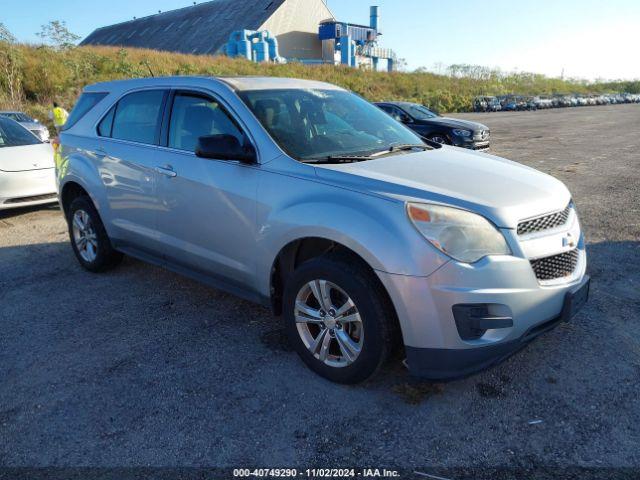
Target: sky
583, 38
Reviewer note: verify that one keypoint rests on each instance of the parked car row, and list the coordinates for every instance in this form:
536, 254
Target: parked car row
522, 102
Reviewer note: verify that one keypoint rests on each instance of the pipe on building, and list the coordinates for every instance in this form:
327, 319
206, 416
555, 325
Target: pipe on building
345, 46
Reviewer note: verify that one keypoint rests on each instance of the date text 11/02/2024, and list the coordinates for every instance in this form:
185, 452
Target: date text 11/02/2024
317, 473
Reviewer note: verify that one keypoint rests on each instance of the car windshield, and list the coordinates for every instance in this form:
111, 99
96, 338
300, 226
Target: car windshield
419, 112
17, 116
15, 135
313, 124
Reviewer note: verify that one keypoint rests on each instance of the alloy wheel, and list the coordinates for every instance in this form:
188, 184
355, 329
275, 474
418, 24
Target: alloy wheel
329, 323
85, 236
439, 139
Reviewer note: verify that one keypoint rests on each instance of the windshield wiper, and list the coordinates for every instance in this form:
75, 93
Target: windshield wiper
409, 146
361, 158
340, 158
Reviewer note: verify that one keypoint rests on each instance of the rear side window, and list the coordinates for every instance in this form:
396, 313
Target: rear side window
137, 117
85, 103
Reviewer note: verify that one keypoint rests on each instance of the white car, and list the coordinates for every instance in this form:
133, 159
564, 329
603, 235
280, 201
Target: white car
27, 170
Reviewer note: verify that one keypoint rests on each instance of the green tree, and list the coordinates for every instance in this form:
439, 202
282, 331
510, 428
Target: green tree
56, 34
10, 63
6, 35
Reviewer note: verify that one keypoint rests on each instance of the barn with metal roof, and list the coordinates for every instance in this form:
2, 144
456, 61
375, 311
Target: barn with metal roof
204, 29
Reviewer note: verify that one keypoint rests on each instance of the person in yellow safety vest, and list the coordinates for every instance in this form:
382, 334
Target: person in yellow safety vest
59, 116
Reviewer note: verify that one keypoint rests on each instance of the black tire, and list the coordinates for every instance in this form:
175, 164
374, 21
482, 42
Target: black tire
435, 137
379, 323
105, 256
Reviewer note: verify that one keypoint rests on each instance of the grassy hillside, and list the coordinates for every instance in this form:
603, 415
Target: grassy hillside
34, 76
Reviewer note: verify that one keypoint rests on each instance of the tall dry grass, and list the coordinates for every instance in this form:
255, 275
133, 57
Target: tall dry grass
46, 74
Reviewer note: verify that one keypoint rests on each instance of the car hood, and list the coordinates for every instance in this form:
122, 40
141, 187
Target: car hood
454, 123
27, 157
506, 192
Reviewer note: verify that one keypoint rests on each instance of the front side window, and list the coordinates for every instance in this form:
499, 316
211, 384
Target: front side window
397, 114
137, 117
13, 134
311, 124
194, 116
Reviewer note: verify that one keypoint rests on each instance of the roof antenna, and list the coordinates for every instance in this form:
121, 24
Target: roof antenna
145, 62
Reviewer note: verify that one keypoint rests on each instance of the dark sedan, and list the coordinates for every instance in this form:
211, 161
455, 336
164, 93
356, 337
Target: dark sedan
449, 131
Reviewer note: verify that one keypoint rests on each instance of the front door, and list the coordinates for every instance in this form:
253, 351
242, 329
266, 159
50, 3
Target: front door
207, 216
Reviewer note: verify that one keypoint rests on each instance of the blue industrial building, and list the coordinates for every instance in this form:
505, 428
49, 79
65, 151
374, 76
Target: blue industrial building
353, 44
259, 30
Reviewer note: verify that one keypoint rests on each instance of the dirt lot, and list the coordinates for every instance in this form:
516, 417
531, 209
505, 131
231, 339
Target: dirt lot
141, 367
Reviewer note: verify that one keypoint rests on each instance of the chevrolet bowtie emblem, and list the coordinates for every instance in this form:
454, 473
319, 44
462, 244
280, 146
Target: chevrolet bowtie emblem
568, 241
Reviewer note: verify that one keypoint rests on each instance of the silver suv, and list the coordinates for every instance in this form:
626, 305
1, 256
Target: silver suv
305, 197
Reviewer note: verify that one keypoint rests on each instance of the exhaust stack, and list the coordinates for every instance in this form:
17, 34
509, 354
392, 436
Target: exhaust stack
374, 17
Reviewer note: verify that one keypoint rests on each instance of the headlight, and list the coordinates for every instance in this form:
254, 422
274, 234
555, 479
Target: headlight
462, 235
462, 133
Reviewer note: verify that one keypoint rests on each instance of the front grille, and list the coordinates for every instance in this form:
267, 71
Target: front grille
35, 198
546, 222
556, 266
482, 135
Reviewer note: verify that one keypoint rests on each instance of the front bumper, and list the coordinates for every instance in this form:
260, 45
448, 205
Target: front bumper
448, 364
472, 143
28, 188
506, 285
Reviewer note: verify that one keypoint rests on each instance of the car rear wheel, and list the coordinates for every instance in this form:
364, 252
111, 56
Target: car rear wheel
89, 239
339, 319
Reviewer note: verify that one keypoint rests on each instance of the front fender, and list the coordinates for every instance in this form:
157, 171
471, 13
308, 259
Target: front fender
375, 228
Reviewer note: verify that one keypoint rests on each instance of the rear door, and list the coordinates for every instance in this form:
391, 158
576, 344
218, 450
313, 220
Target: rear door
208, 207
127, 157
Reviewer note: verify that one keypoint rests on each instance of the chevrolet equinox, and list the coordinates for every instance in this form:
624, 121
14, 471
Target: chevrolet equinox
304, 197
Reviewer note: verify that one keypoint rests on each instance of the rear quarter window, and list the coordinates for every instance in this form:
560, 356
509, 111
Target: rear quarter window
106, 125
85, 103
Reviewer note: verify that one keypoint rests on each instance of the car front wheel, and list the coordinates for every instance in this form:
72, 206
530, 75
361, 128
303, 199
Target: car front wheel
339, 319
439, 138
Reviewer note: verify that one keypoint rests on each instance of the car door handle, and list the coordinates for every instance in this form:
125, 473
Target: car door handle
99, 152
167, 171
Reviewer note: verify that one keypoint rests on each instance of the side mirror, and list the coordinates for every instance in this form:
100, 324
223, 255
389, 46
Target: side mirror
225, 147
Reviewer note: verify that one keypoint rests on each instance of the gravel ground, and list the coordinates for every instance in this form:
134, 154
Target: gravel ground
141, 367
